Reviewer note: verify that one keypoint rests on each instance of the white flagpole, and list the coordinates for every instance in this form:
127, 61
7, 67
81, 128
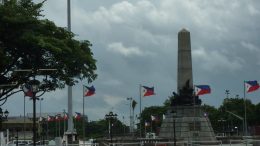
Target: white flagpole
194, 107
245, 128
83, 117
140, 118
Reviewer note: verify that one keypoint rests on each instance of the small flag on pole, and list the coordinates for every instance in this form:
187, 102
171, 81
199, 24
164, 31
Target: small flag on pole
50, 118
251, 86
57, 117
202, 89
147, 124
163, 116
77, 116
89, 91
65, 117
148, 91
27, 89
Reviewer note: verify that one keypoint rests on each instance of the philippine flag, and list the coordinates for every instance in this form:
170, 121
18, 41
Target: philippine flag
251, 86
77, 116
50, 118
65, 117
27, 89
148, 91
89, 91
202, 89
147, 124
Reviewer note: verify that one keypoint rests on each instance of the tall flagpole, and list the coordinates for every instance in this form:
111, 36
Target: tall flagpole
245, 128
83, 118
140, 117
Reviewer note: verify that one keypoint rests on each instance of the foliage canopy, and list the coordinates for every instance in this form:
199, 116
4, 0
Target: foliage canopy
28, 41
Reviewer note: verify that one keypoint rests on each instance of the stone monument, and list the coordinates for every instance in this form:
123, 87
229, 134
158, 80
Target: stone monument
185, 119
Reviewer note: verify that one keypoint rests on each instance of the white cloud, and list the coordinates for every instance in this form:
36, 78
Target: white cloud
118, 47
112, 101
253, 10
249, 46
216, 61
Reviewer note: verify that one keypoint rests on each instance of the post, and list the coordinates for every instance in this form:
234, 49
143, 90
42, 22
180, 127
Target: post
245, 128
34, 119
174, 134
109, 130
140, 117
24, 118
83, 118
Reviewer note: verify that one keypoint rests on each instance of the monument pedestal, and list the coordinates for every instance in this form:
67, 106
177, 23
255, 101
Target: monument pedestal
70, 137
190, 124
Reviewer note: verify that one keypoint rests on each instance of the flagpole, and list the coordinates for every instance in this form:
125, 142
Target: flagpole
83, 118
151, 126
145, 128
140, 118
245, 128
194, 107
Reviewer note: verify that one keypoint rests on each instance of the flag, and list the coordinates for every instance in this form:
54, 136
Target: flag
148, 91
27, 89
89, 91
65, 117
58, 117
163, 116
202, 89
251, 86
146, 124
154, 118
77, 116
50, 118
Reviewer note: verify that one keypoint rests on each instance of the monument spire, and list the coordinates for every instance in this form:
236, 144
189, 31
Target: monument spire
184, 61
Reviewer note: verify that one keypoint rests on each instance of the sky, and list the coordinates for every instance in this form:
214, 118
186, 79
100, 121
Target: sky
135, 43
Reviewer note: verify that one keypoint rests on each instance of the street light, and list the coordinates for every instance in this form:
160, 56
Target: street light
110, 116
3, 117
34, 86
130, 114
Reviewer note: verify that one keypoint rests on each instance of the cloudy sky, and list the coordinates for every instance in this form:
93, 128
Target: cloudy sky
135, 42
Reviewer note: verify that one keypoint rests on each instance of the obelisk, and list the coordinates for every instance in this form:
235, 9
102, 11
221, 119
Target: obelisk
185, 120
184, 60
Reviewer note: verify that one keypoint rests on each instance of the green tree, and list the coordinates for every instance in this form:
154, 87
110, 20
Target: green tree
28, 41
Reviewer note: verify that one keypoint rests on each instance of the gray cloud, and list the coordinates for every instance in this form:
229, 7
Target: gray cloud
135, 42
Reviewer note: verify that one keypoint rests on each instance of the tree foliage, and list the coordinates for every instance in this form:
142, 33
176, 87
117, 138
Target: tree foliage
28, 41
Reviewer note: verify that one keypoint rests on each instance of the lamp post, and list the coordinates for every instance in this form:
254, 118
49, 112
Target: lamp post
40, 106
3, 117
110, 116
130, 114
34, 86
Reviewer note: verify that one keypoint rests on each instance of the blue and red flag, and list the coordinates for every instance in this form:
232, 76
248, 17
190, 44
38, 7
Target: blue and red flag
27, 89
251, 86
148, 91
65, 117
50, 118
202, 89
147, 124
89, 91
77, 116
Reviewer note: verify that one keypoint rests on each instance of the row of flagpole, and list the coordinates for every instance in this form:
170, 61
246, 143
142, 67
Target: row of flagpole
249, 86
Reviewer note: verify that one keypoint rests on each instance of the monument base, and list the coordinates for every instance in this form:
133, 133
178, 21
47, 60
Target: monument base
70, 137
187, 123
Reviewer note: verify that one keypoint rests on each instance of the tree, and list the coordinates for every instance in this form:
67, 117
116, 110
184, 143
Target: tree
28, 41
